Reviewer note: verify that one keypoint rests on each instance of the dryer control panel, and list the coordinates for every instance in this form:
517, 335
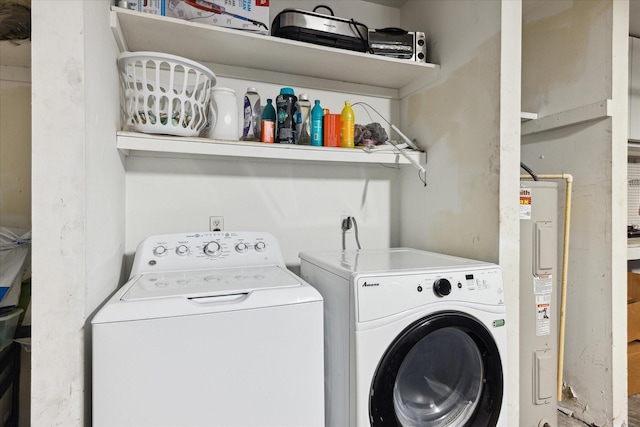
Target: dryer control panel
206, 250
383, 295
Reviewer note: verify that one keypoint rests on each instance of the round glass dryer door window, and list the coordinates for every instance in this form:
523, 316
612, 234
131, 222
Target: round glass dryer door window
442, 393
443, 370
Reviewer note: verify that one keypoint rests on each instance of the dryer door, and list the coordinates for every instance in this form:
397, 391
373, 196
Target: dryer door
443, 370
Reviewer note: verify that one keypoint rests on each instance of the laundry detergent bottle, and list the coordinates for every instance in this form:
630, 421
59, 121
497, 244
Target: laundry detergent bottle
286, 110
347, 126
252, 113
268, 123
317, 118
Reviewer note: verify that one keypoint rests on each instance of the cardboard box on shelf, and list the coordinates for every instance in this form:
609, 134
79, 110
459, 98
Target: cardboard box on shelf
633, 367
633, 287
248, 15
633, 307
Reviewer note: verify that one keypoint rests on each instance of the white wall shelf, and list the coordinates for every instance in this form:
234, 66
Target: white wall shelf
583, 114
140, 144
137, 31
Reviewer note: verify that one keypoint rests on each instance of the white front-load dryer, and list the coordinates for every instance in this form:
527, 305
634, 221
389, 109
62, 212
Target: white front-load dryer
412, 338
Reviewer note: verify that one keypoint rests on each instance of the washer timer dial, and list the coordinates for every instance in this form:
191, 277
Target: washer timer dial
160, 250
212, 248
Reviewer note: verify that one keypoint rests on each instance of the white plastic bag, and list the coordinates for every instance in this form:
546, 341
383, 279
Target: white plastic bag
14, 251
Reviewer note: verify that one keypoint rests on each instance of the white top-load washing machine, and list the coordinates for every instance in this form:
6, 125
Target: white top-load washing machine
412, 338
210, 330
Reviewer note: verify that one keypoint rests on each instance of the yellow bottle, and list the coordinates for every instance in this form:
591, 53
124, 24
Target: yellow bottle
347, 126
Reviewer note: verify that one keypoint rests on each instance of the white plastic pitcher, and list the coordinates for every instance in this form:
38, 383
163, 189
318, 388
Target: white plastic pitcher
224, 114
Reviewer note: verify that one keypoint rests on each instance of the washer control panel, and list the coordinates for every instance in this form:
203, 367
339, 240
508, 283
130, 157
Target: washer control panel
206, 250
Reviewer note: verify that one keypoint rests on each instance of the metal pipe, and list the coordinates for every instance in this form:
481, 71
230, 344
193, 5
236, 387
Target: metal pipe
565, 266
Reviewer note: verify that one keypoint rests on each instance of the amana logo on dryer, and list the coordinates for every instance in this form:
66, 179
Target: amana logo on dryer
365, 284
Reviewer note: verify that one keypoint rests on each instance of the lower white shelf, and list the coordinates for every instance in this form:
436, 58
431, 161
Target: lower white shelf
140, 144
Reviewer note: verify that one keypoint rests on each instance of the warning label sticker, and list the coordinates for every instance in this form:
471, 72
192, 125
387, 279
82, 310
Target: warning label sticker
542, 284
525, 203
543, 315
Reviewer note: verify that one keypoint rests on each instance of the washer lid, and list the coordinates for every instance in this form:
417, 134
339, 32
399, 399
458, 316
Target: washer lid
196, 283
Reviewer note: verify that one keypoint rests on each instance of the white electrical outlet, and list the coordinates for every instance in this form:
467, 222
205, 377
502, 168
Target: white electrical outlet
216, 223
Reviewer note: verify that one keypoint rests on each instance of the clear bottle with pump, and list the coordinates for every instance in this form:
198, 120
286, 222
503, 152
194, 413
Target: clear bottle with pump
268, 123
347, 126
304, 125
317, 117
252, 115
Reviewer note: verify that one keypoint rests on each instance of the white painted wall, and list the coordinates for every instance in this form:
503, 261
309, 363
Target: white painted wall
456, 121
574, 54
468, 122
78, 199
634, 89
298, 202
15, 148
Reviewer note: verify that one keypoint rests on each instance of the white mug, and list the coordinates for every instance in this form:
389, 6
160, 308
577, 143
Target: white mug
224, 115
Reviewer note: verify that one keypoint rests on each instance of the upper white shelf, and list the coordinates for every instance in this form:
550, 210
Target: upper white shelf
137, 31
140, 144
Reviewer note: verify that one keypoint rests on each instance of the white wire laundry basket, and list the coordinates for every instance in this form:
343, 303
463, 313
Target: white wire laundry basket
164, 94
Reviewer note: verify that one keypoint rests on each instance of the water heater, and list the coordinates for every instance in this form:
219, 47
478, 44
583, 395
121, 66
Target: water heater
539, 310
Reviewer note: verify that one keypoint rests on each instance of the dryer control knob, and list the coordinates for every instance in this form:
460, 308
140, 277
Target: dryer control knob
241, 247
442, 287
212, 248
260, 246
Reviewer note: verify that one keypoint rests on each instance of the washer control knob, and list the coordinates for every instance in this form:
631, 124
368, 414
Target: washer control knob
442, 287
182, 250
241, 247
260, 246
160, 250
212, 248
